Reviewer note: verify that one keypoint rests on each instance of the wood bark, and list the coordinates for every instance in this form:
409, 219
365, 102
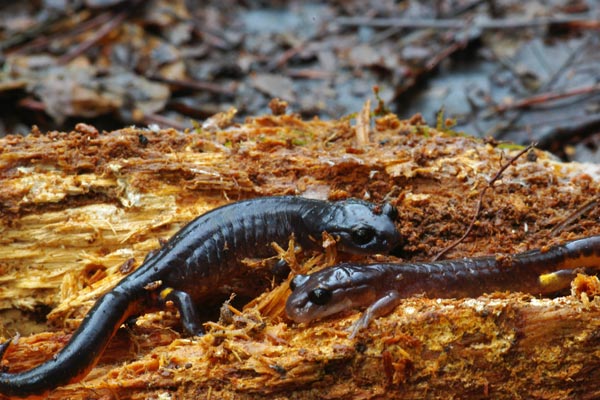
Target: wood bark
80, 210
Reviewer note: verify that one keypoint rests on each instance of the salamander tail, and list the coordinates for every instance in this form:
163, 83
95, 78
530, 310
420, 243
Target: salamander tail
80, 355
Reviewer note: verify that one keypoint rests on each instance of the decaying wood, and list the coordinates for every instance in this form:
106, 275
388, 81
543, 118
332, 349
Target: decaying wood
80, 210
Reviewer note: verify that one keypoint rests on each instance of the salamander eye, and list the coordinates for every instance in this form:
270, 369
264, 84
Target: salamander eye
319, 296
362, 235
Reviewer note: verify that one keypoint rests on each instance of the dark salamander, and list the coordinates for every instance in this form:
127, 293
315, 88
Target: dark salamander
203, 261
381, 287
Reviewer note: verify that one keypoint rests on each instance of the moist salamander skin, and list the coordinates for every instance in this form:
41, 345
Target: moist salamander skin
381, 287
202, 262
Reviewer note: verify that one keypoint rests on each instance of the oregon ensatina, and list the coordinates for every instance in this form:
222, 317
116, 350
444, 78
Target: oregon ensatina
380, 287
203, 261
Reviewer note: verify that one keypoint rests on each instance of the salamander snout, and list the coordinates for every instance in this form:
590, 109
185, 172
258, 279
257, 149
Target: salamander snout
327, 292
364, 228
309, 300
369, 238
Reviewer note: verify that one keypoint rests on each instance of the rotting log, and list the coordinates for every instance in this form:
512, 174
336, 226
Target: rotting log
80, 210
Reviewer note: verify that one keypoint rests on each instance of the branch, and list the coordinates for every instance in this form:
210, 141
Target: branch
480, 200
453, 23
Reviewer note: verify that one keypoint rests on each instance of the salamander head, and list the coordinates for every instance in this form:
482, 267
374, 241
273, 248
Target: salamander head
329, 291
360, 227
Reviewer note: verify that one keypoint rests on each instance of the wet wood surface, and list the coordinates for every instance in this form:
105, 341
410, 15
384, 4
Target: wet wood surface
80, 210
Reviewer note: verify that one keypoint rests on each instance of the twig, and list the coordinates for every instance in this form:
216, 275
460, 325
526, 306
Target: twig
32, 104
56, 32
163, 121
280, 61
194, 85
308, 73
209, 37
545, 97
363, 124
547, 85
447, 52
480, 200
452, 23
30, 33
588, 205
104, 30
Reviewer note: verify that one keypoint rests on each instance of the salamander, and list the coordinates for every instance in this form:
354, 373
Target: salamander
203, 261
381, 287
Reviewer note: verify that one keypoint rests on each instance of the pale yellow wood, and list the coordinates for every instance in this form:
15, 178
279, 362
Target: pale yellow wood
83, 201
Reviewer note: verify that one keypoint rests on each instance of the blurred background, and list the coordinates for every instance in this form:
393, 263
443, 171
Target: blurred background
522, 71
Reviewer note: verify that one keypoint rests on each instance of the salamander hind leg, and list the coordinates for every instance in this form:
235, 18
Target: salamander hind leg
187, 310
383, 306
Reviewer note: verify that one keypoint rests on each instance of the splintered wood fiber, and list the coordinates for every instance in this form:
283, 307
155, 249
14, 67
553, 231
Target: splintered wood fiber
80, 210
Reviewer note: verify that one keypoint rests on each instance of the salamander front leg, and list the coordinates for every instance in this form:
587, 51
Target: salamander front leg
381, 307
187, 310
